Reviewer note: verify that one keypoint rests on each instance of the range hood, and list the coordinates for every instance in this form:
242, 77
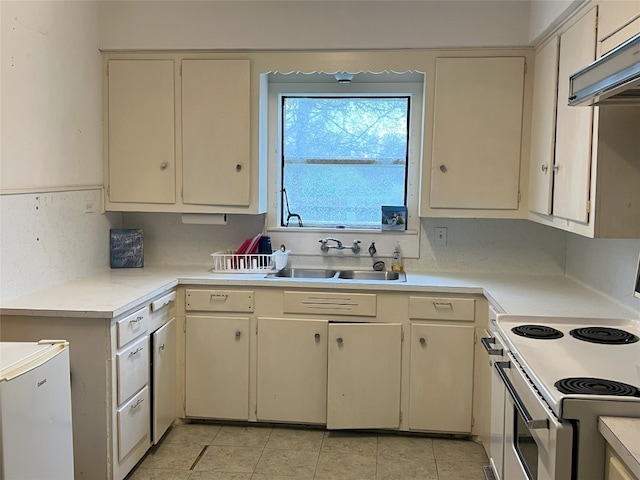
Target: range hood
613, 79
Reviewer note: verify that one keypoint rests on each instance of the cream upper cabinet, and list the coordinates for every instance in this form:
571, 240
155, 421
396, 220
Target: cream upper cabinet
215, 126
543, 126
477, 133
574, 125
618, 20
596, 150
178, 134
141, 165
292, 370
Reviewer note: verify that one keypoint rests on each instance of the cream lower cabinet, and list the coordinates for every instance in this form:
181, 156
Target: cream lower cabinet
441, 384
217, 367
615, 469
364, 372
292, 370
163, 374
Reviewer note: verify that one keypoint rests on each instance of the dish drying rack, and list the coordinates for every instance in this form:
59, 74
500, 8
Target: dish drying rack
227, 261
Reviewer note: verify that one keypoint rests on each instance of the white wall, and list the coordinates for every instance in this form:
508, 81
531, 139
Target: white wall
546, 15
607, 265
312, 24
51, 151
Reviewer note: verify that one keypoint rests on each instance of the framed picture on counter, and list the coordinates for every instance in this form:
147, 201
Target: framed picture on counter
394, 218
127, 248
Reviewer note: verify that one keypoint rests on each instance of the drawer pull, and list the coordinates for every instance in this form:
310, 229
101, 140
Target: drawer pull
438, 305
317, 337
139, 318
219, 296
339, 340
136, 351
238, 333
423, 341
137, 404
161, 347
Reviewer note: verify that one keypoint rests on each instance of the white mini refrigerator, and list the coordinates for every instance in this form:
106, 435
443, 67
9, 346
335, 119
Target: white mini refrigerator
36, 440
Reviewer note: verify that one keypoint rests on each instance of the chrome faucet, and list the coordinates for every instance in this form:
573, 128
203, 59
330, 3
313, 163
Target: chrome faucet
355, 248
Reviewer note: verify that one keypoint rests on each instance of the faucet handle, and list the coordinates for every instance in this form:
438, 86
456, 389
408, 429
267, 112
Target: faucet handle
356, 246
372, 249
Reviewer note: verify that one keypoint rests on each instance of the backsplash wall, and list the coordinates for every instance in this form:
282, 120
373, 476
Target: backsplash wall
477, 245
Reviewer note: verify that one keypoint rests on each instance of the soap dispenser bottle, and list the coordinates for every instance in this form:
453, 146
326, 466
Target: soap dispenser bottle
396, 261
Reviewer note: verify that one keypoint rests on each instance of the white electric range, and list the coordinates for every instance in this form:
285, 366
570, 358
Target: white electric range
561, 374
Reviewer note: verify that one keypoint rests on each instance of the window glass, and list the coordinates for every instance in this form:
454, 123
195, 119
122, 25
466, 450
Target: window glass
342, 159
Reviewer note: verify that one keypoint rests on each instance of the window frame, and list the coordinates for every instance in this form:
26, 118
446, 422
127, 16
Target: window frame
306, 238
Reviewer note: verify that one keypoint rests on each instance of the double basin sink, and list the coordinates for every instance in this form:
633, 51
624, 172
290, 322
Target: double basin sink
318, 273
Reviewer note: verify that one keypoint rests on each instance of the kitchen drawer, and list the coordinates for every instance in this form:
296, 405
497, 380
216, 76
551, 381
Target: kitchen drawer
132, 326
360, 304
133, 423
438, 308
163, 309
132, 368
220, 300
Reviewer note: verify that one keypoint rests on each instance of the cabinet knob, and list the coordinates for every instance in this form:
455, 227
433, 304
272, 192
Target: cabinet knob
423, 341
544, 168
317, 337
556, 168
161, 347
339, 340
238, 167
443, 168
238, 333
164, 165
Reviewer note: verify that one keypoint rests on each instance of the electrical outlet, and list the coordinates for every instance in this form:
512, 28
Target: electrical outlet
441, 236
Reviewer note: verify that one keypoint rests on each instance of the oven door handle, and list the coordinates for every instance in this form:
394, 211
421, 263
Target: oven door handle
526, 416
486, 343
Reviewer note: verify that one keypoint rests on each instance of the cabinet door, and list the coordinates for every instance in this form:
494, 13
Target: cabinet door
574, 125
441, 378
164, 378
543, 127
141, 150
477, 133
292, 370
217, 367
215, 132
363, 386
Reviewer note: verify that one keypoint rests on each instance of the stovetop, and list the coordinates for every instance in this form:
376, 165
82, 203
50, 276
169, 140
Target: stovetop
563, 354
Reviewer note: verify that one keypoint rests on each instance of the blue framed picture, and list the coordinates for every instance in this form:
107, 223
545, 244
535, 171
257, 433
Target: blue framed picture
127, 248
394, 218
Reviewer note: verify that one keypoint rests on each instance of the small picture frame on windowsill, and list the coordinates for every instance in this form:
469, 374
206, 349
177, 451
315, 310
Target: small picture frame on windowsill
394, 218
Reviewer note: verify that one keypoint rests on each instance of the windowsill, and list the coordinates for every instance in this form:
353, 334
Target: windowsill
305, 241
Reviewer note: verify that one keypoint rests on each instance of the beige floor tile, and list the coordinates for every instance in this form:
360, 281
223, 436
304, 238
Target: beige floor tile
220, 476
345, 466
460, 470
174, 456
263, 476
159, 474
405, 446
229, 459
239, 436
297, 463
200, 434
451, 450
298, 439
350, 442
394, 467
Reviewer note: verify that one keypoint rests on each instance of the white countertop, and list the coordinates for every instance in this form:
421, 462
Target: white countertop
623, 434
114, 292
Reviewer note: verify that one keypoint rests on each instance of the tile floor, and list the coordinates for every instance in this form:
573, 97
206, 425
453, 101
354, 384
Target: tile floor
228, 452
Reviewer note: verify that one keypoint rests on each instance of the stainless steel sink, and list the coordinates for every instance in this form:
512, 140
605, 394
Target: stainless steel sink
372, 275
303, 273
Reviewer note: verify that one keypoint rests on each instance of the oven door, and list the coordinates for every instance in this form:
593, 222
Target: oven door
537, 445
